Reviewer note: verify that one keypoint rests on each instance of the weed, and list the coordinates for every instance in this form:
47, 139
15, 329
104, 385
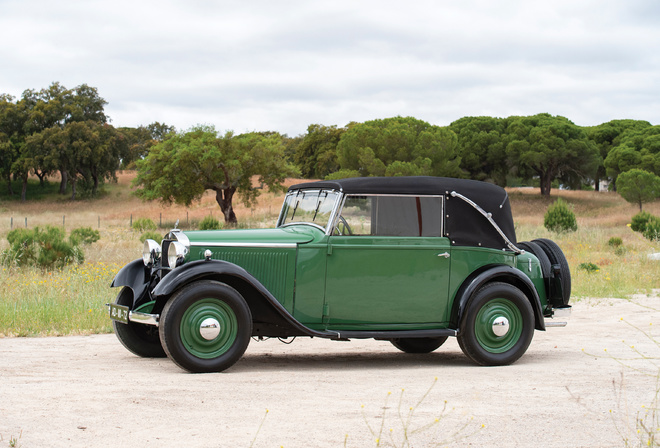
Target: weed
404, 436
143, 224
157, 237
210, 223
615, 242
589, 267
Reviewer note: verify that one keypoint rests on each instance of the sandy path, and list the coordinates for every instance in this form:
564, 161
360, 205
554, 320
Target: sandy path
89, 391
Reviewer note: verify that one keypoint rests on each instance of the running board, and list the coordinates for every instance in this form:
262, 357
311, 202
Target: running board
344, 335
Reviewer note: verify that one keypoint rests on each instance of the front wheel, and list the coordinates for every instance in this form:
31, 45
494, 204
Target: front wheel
418, 345
206, 327
497, 326
139, 339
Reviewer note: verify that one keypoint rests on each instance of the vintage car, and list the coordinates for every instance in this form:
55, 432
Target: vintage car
411, 260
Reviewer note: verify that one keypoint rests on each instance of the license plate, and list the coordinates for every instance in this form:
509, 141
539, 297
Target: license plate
119, 313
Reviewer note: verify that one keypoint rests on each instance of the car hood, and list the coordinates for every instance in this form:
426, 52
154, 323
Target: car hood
285, 236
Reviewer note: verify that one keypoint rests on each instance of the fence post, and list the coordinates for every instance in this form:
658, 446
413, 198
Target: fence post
160, 224
131, 223
26, 222
63, 220
99, 221
11, 223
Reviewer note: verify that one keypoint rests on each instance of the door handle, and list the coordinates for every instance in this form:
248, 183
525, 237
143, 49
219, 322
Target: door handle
445, 254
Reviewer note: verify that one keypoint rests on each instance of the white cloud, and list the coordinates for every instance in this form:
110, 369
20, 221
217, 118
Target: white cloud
263, 65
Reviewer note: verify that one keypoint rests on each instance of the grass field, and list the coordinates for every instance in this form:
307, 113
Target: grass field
71, 300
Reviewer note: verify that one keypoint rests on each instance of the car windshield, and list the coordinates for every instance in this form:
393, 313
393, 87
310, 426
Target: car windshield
308, 206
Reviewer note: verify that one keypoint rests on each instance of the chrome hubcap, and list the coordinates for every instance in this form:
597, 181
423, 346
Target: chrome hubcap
500, 326
209, 329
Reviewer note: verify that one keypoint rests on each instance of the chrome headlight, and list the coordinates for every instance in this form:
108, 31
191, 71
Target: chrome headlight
151, 252
176, 252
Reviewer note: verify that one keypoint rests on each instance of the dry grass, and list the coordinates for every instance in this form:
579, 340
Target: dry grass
33, 299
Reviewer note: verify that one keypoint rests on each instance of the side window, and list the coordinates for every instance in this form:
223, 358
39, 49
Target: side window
391, 216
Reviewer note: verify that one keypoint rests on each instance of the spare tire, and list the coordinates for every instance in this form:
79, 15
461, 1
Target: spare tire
535, 249
560, 270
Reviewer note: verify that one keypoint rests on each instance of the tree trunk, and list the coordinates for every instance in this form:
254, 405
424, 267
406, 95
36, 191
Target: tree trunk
63, 182
24, 189
73, 189
10, 190
546, 183
224, 199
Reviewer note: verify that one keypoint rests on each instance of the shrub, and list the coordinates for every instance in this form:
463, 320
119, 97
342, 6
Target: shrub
615, 242
46, 248
143, 224
639, 221
209, 223
84, 235
589, 267
652, 231
157, 237
559, 218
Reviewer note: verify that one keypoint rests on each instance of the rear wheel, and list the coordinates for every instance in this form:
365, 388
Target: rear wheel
418, 345
497, 326
206, 327
139, 339
557, 257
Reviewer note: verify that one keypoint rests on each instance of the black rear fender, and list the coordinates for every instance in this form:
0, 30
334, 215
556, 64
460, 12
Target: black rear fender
497, 273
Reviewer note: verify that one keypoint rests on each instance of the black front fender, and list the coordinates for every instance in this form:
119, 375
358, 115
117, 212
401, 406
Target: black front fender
134, 276
502, 273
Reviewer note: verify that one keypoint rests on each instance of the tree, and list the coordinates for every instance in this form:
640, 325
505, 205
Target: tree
482, 145
550, 147
182, 167
607, 136
398, 146
638, 186
638, 148
316, 155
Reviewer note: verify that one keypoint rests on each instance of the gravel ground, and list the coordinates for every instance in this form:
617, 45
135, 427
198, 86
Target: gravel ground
567, 391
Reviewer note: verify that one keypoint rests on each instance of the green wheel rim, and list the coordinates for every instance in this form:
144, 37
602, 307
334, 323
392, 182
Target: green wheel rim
495, 308
192, 320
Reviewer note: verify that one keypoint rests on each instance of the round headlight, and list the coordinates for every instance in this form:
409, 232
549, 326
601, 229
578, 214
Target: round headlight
151, 252
176, 253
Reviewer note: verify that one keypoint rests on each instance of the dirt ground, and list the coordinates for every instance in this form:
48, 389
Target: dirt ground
89, 391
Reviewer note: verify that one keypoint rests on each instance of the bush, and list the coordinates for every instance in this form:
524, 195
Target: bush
615, 242
46, 248
210, 223
652, 231
589, 267
639, 221
143, 224
157, 237
559, 218
84, 235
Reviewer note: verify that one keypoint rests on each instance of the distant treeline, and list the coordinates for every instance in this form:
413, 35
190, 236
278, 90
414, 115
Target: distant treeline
66, 130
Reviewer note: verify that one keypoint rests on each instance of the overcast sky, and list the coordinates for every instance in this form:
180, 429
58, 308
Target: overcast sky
282, 65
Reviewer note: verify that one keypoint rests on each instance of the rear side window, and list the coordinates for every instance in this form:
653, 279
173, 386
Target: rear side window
394, 215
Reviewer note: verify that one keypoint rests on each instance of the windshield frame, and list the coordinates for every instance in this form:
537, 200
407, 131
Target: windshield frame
327, 229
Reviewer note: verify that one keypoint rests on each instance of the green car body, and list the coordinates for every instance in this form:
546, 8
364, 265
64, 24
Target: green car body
412, 260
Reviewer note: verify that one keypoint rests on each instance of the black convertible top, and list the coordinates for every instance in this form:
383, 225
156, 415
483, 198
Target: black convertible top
464, 224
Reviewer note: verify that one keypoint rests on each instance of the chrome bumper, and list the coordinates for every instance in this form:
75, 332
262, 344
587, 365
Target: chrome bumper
558, 312
143, 318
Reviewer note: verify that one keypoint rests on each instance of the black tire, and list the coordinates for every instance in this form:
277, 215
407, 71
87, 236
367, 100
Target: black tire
212, 303
418, 345
536, 250
140, 339
477, 337
556, 256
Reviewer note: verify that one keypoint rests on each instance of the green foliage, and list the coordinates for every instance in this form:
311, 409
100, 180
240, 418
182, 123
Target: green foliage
547, 147
182, 167
46, 248
638, 186
209, 223
157, 237
615, 242
142, 224
316, 155
560, 218
84, 236
589, 267
399, 146
637, 147
652, 231
639, 221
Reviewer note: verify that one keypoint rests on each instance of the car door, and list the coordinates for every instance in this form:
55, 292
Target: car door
391, 269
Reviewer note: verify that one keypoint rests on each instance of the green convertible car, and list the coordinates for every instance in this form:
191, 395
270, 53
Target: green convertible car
411, 260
